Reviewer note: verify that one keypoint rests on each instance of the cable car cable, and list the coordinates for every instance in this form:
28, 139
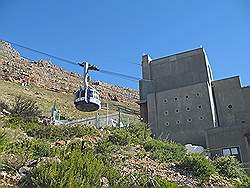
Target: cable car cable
72, 62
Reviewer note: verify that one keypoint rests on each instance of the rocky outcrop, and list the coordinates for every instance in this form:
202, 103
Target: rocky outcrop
46, 75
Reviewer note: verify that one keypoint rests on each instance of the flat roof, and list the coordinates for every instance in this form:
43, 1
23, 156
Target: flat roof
181, 54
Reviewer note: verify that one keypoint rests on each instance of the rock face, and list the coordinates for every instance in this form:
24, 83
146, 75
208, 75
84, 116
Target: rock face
46, 75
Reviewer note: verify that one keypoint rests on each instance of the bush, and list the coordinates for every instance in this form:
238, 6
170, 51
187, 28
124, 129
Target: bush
229, 166
200, 166
139, 132
20, 151
3, 140
78, 170
51, 132
120, 137
136, 133
25, 108
165, 150
164, 183
4, 106
105, 149
243, 182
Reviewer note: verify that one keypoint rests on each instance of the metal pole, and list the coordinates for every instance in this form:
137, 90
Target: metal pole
119, 120
85, 81
97, 123
107, 114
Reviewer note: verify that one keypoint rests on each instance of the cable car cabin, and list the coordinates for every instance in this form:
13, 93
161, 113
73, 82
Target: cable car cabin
90, 103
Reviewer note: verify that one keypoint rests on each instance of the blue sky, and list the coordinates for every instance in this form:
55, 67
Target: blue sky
114, 34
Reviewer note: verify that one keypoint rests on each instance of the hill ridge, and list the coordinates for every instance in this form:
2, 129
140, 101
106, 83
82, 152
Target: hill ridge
47, 75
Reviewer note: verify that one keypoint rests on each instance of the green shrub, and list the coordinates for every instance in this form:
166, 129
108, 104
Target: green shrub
25, 108
120, 137
105, 149
229, 166
51, 132
164, 183
139, 132
243, 182
199, 166
165, 150
24, 150
136, 133
3, 140
78, 170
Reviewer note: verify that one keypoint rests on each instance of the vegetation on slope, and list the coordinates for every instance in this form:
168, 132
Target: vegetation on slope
36, 155
44, 98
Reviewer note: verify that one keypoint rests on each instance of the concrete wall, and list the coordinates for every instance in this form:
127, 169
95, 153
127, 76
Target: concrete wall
229, 101
181, 114
178, 82
246, 96
182, 103
225, 137
176, 71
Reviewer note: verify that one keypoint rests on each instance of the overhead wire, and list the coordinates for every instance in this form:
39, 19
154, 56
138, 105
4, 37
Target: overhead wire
132, 78
40, 52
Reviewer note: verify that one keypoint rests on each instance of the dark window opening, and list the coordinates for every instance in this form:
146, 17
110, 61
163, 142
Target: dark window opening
199, 106
178, 122
243, 121
201, 118
197, 94
188, 109
189, 120
167, 123
230, 106
234, 151
187, 97
166, 112
176, 110
165, 100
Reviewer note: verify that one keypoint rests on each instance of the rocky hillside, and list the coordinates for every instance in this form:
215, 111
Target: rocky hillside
46, 75
37, 155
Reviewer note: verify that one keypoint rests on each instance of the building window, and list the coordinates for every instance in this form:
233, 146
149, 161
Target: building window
201, 118
226, 152
189, 120
167, 123
178, 122
187, 96
175, 98
166, 113
199, 106
243, 121
234, 151
198, 94
177, 110
165, 100
230, 106
188, 109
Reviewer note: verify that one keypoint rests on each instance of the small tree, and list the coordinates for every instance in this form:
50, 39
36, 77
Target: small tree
25, 107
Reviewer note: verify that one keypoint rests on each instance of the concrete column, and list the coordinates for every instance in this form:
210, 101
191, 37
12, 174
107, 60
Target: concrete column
146, 74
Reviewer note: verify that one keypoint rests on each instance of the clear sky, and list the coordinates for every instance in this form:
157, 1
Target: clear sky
114, 34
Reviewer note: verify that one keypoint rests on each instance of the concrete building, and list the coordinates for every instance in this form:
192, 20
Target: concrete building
181, 101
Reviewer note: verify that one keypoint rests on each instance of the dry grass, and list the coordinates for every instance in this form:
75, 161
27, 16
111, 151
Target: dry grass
44, 98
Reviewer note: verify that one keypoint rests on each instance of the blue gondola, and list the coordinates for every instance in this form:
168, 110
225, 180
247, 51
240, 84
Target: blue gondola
89, 103
86, 98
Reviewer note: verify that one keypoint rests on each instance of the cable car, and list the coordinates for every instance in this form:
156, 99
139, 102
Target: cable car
87, 98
